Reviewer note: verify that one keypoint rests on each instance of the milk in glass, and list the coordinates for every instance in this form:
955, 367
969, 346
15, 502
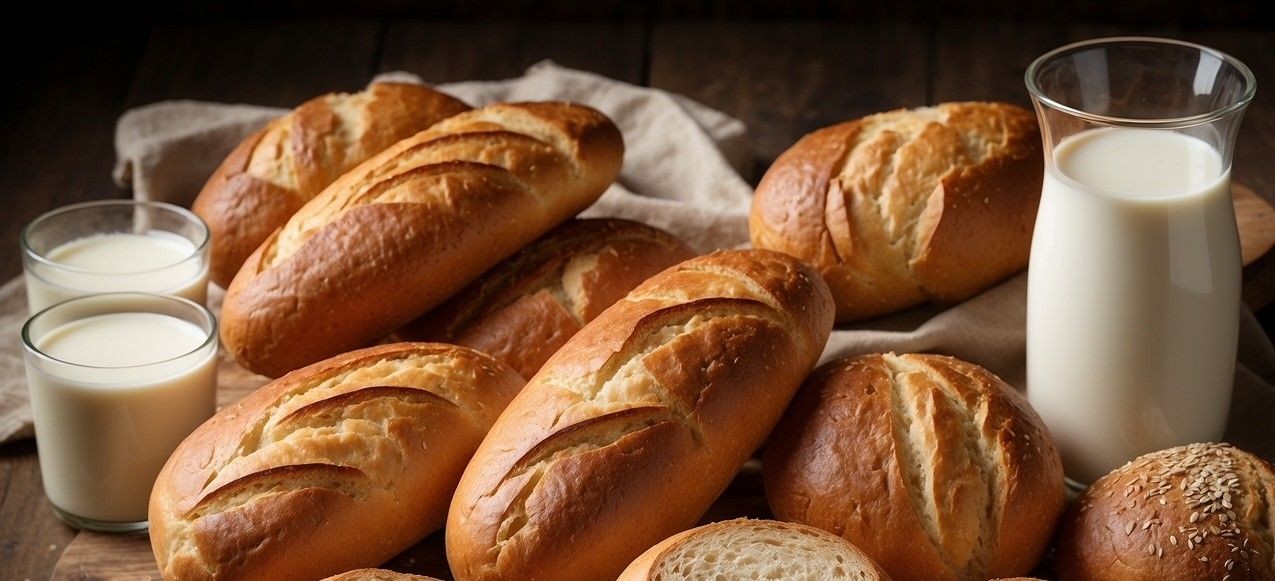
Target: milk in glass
1134, 292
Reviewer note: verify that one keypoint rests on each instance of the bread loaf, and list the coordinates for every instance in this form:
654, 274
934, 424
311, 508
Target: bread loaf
408, 228
632, 429
932, 466
743, 549
339, 465
277, 169
377, 575
895, 209
523, 309
1203, 511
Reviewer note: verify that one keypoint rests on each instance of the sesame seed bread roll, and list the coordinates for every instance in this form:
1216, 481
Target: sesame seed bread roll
276, 170
525, 308
1201, 511
744, 549
630, 431
907, 206
932, 466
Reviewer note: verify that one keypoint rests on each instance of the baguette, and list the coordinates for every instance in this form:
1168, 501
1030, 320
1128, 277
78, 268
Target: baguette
632, 429
274, 171
525, 308
337, 466
899, 208
743, 549
408, 228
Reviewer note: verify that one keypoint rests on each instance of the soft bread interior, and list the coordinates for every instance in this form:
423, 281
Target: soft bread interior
744, 549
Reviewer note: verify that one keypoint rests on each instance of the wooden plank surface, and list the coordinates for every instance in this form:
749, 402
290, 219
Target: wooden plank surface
787, 79
263, 63
442, 52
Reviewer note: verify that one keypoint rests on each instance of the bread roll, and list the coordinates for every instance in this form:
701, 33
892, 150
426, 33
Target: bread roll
745, 549
524, 309
932, 466
1203, 511
378, 575
898, 208
339, 465
632, 429
405, 230
277, 169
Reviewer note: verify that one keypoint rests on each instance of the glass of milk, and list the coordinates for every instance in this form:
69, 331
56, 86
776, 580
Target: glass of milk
115, 245
116, 380
1134, 286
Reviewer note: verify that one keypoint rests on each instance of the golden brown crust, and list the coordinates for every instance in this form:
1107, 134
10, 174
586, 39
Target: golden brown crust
907, 206
525, 308
276, 170
409, 228
633, 428
378, 575
933, 466
1202, 511
736, 536
372, 441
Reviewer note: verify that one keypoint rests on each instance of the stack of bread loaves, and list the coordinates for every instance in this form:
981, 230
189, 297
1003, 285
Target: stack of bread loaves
585, 389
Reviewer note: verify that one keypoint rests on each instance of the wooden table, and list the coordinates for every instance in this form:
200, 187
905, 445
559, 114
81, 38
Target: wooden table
782, 78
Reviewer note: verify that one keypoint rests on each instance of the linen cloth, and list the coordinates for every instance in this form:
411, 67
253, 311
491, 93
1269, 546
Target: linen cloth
681, 172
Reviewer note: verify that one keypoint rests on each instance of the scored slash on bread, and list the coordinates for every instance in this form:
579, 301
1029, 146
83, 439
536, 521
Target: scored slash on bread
906, 206
372, 441
932, 466
277, 169
525, 308
410, 227
632, 429
743, 549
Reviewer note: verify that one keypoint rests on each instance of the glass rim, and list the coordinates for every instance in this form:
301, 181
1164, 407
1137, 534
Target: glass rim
183, 212
29, 346
1037, 94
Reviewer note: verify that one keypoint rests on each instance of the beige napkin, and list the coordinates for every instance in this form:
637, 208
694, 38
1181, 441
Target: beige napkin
681, 173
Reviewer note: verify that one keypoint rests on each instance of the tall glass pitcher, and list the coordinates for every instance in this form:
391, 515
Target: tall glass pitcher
1134, 285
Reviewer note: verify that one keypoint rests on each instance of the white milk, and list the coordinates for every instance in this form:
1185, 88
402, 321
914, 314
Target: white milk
1133, 301
157, 262
104, 431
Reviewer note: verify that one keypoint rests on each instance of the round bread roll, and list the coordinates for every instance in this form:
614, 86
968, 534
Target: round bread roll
1202, 511
932, 466
753, 549
378, 575
894, 209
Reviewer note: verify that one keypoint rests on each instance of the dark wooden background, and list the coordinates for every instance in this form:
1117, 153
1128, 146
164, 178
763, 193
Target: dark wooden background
784, 69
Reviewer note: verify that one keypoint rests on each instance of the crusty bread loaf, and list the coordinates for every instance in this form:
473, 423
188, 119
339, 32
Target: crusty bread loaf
1203, 511
404, 231
285, 164
377, 575
632, 429
932, 466
743, 549
339, 465
523, 309
902, 207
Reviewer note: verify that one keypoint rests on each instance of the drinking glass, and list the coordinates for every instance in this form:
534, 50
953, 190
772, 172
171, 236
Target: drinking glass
1134, 284
117, 381
114, 245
